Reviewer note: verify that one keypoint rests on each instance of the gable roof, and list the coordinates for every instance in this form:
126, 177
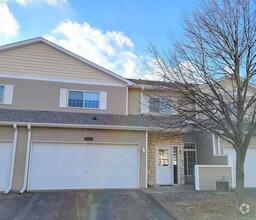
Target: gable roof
66, 52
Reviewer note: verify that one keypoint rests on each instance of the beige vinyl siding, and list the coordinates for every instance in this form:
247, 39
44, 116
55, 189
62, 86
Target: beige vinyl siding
40, 60
209, 175
44, 95
134, 101
6, 133
205, 151
19, 164
225, 144
100, 136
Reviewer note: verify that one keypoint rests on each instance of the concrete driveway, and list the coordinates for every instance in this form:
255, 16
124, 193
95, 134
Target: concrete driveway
100, 204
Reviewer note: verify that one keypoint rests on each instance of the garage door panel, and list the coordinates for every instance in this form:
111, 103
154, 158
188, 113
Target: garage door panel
77, 166
5, 164
249, 166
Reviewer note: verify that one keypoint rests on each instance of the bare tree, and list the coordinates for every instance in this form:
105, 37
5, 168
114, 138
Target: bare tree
212, 69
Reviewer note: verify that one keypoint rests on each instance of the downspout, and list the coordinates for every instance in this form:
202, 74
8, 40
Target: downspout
15, 137
213, 144
127, 101
218, 145
146, 159
24, 186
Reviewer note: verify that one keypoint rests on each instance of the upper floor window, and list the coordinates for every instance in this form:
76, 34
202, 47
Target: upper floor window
161, 105
154, 104
1, 93
83, 99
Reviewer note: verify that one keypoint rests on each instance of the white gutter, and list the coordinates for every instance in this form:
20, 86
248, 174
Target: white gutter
15, 137
146, 159
24, 186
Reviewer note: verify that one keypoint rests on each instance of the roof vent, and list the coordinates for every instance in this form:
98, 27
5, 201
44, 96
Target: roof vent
94, 118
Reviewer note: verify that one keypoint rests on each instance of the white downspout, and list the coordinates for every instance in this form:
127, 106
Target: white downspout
15, 137
213, 144
24, 186
146, 159
219, 145
127, 101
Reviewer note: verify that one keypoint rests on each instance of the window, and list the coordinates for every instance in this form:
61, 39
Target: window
75, 99
1, 93
154, 105
166, 105
161, 105
189, 158
82, 99
91, 100
163, 159
232, 107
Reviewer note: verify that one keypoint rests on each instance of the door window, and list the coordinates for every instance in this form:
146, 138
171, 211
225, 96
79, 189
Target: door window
163, 157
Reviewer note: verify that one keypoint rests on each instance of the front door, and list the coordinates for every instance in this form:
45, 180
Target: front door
164, 166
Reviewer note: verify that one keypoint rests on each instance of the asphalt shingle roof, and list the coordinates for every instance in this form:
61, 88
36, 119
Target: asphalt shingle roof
150, 82
89, 119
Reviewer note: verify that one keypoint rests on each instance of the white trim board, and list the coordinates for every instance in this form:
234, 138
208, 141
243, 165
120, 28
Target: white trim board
66, 52
15, 76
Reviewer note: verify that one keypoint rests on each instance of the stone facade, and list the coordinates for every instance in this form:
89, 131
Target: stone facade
163, 139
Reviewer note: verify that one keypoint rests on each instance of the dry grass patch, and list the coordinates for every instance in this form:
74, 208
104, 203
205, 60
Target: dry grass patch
204, 205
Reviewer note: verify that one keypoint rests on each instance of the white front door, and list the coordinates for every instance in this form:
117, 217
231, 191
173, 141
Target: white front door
164, 165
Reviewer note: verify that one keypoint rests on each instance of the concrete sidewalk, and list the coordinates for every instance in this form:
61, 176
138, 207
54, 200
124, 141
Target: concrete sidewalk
170, 189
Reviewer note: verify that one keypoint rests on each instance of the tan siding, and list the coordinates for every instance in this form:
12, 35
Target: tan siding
209, 175
205, 151
100, 136
6, 133
43, 95
19, 165
134, 101
41, 60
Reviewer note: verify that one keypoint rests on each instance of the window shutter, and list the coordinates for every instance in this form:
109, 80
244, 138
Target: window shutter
8, 94
144, 104
63, 98
103, 100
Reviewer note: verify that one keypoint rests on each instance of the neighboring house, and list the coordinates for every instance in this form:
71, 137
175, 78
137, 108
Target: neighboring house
67, 123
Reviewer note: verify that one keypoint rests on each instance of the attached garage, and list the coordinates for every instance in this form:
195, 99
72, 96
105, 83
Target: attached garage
5, 164
56, 166
249, 166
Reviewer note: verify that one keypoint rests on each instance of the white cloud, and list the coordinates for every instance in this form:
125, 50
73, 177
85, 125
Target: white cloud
112, 50
8, 25
49, 2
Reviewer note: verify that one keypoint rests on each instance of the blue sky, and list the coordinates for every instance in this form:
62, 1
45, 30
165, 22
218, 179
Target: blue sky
110, 33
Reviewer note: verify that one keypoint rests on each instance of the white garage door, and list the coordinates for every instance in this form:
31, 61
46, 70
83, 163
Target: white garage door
5, 164
249, 166
82, 166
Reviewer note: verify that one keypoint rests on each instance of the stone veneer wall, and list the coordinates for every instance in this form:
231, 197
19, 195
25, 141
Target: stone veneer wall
155, 139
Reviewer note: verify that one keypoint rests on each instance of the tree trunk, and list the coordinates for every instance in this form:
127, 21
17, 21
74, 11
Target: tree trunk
239, 179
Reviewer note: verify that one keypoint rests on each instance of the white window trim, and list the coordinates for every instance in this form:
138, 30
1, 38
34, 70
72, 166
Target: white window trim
194, 150
3, 94
83, 91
